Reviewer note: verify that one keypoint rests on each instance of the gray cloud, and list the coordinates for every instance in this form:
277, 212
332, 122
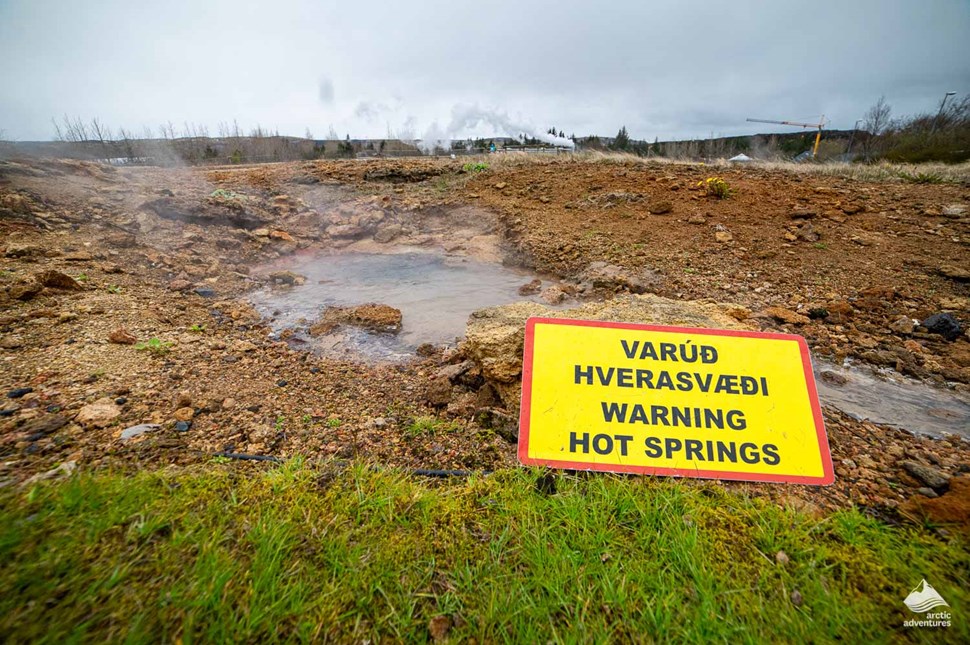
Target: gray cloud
665, 69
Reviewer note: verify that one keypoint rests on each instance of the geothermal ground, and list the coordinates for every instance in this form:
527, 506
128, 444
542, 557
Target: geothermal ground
153, 316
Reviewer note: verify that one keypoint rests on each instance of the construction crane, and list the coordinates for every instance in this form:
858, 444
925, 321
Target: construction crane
818, 137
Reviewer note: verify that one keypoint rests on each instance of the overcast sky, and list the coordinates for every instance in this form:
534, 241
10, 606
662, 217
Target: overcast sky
671, 69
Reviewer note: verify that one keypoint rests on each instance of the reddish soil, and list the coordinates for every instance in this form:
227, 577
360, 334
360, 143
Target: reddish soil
159, 255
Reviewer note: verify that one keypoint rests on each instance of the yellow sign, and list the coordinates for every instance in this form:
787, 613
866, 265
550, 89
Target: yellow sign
672, 401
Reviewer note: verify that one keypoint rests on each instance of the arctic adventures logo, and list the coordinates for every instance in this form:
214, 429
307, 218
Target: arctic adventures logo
921, 600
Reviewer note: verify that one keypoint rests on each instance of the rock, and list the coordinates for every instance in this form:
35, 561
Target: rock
25, 291
530, 288
495, 335
122, 336
853, 208
205, 292
453, 372
438, 393
45, 425
943, 324
955, 273
243, 346
281, 235
11, 341
660, 208
833, 377
803, 213
121, 240
184, 414
723, 236
787, 316
696, 219
903, 325
953, 211
183, 426
134, 431
782, 558
615, 278
179, 285
553, 295
935, 479
796, 598
23, 251
372, 317
99, 414
77, 256
345, 231
927, 492
501, 185
807, 233
19, 392
848, 463
287, 277
388, 232
260, 232
58, 280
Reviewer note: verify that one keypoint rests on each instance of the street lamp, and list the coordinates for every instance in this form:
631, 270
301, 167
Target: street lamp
936, 121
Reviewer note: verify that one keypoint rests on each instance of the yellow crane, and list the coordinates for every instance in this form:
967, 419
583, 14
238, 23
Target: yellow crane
818, 137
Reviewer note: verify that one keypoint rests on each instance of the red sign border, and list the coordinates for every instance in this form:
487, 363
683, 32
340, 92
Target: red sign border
828, 473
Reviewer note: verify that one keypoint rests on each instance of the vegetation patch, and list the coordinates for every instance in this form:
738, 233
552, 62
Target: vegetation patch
294, 552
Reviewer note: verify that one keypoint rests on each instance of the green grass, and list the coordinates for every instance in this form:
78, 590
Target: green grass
228, 553
155, 346
430, 426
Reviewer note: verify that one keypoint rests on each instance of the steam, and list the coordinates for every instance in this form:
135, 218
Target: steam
468, 117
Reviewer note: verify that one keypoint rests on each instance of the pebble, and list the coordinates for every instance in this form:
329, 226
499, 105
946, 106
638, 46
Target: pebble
927, 492
943, 324
139, 429
121, 400
16, 393
930, 476
282, 382
8, 412
183, 426
205, 292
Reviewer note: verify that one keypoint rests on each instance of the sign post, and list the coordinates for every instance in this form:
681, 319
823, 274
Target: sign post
629, 398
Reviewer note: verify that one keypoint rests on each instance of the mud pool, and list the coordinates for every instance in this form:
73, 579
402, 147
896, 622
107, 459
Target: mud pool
435, 293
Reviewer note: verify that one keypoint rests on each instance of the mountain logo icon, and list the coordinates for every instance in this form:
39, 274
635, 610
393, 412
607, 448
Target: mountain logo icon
923, 598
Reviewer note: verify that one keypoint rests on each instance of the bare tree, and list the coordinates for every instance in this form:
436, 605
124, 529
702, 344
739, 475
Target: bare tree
875, 123
102, 134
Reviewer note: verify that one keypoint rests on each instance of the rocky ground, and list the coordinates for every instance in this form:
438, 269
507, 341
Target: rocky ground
127, 339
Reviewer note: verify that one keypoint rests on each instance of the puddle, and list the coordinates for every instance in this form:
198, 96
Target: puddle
435, 294
893, 400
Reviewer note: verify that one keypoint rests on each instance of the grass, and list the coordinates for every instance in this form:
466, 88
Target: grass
300, 553
430, 426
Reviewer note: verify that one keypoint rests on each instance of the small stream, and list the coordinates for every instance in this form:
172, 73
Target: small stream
889, 398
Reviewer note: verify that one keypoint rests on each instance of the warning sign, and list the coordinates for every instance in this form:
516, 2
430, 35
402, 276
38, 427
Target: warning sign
674, 401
